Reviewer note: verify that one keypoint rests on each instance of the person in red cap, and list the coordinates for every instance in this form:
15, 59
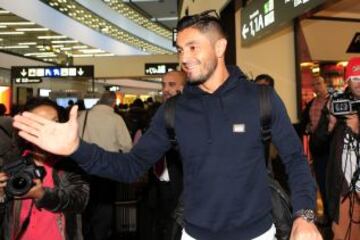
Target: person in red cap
341, 130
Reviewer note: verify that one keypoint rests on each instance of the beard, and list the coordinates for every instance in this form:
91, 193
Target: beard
210, 67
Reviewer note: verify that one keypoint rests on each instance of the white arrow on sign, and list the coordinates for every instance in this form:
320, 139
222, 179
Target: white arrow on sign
245, 31
80, 72
23, 72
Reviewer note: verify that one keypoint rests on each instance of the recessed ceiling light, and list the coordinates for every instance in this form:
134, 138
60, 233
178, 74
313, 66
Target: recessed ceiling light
11, 33
52, 37
64, 41
32, 29
15, 46
27, 43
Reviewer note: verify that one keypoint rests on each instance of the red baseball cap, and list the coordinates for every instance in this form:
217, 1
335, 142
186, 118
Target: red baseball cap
353, 68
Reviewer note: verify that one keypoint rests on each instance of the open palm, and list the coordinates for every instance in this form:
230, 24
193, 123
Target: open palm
57, 138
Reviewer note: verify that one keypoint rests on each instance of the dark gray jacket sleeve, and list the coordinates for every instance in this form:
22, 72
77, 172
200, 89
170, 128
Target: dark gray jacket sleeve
71, 191
286, 140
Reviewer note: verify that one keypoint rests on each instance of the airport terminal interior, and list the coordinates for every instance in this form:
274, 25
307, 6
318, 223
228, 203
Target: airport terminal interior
72, 51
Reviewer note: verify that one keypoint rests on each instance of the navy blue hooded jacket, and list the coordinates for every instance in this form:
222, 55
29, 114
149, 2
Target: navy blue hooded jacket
226, 193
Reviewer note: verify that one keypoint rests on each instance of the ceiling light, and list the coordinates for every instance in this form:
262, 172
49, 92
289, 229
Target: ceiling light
52, 37
4, 12
81, 55
11, 33
104, 55
32, 29
15, 46
91, 51
27, 43
163, 19
38, 53
2, 26
65, 41
16, 23
79, 47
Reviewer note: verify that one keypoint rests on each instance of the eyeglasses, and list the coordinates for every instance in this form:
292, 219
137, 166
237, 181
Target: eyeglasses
204, 17
208, 14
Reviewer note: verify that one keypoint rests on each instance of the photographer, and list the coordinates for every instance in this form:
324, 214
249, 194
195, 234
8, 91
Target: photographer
57, 194
341, 128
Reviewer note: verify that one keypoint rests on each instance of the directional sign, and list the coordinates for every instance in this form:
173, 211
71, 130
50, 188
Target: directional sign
27, 80
25, 74
263, 17
159, 68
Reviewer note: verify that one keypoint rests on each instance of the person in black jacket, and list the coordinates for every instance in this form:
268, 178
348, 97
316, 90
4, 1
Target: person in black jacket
51, 208
167, 176
218, 131
309, 124
342, 184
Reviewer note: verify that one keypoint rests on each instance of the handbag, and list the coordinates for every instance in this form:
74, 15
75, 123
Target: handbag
281, 204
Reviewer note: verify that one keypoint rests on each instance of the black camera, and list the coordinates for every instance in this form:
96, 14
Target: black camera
21, 174
344, 104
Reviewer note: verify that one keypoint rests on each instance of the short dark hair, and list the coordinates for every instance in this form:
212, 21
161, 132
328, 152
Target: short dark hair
35, 102
2, 109
204, 22
265, 77
108, 98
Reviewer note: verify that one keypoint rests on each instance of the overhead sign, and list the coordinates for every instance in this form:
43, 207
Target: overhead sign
263, 17
34, 74
159, 68
354, 46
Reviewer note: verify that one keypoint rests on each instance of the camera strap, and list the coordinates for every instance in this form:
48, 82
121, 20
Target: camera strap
85, 120
25, 224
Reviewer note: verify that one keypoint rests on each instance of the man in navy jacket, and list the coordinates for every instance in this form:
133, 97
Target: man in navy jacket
217, 125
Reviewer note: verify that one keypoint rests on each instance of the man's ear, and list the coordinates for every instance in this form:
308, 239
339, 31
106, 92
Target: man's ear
220, 47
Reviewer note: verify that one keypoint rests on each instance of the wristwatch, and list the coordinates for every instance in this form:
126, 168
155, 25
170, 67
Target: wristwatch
306, 214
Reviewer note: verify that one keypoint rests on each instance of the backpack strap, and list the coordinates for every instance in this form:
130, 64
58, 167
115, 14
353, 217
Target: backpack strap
85, 121
169, 115
265, 119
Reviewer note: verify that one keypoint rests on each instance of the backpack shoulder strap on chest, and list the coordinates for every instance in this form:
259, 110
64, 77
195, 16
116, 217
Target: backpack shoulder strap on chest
265, 118
169, 115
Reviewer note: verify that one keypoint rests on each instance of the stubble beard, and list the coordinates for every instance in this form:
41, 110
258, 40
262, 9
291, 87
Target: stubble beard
202, 78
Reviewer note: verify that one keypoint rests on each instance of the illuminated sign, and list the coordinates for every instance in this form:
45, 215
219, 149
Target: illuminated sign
263, 17
159, 68
34, 74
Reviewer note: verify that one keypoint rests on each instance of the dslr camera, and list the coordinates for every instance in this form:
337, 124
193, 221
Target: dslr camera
343, 104
21, 174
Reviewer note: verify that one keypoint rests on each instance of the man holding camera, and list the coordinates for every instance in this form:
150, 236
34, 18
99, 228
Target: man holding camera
339, 124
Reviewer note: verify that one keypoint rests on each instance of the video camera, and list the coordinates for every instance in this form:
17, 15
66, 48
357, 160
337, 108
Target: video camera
21, 174
344, 103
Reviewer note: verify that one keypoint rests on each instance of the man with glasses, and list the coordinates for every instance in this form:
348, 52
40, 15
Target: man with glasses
217, 126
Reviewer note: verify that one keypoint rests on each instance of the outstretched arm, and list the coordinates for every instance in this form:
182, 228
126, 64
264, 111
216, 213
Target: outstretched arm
57, 138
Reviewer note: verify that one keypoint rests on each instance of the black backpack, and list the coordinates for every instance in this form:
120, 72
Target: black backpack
282, 209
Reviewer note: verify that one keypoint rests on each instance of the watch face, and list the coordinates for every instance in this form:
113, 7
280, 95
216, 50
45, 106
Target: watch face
308, 215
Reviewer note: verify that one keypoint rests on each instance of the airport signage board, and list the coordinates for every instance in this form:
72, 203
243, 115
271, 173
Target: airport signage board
262, 17
34, 74
159, 68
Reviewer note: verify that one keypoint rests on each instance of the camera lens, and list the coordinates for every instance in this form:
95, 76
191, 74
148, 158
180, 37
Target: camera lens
19, 184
